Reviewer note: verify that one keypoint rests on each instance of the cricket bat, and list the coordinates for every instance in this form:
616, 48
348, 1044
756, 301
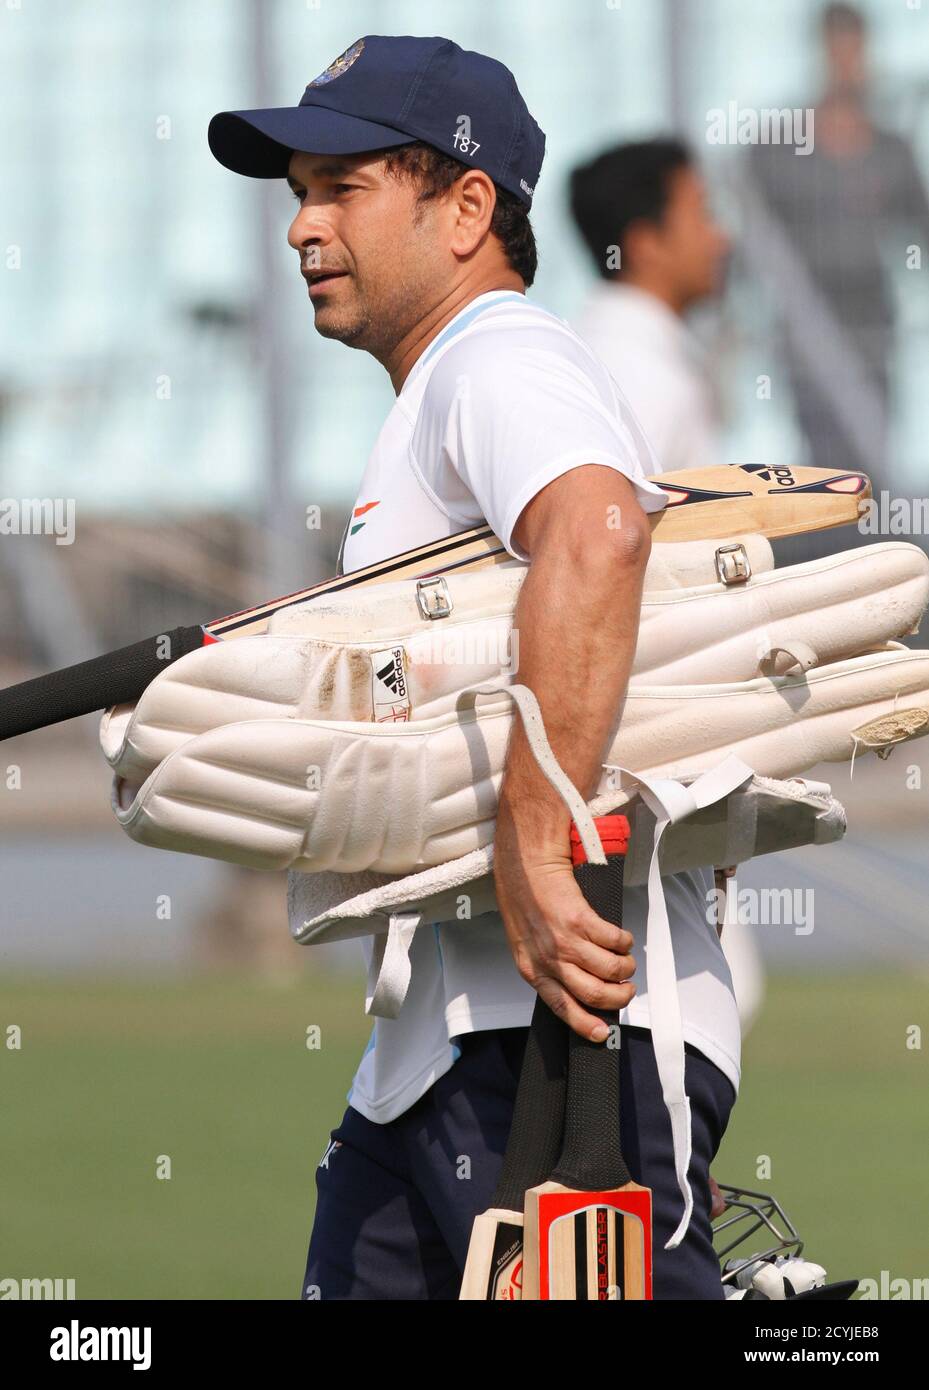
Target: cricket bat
703, 503
493, 1271
754, 499
588, 1230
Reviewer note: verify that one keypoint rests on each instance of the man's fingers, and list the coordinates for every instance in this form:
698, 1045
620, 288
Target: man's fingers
573, 988
616, 940
575, 959
567, 1007
573, 922
582, 939
589, 988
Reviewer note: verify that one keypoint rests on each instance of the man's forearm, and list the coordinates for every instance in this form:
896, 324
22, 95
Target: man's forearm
577, 622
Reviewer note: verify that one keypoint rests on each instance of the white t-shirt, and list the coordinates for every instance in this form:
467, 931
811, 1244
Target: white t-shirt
506, 399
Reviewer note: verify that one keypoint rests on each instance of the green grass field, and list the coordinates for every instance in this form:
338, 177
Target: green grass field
832, 1093
215, 1074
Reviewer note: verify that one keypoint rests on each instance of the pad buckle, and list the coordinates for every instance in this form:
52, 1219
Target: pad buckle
732, 564
433, 598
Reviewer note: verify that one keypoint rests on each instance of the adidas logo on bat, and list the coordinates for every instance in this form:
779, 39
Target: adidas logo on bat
780, 475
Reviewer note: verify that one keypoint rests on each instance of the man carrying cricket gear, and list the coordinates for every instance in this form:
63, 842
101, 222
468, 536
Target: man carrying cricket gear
414, 165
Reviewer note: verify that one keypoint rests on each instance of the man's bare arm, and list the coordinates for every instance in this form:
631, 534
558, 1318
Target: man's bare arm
577, 619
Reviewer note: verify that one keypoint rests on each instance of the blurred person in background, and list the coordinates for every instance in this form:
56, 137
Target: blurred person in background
846, 211
644, 215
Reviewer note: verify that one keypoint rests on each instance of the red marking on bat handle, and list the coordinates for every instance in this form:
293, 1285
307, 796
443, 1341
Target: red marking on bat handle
614, 836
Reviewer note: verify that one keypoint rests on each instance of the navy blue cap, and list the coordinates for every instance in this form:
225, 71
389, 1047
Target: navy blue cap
389, 91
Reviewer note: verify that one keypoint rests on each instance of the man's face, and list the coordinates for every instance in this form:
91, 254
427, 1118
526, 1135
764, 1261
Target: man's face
690, 243
366, 248
846, 58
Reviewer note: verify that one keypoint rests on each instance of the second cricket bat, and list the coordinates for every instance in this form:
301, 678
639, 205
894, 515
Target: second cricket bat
703, 503
494, 1268
588, 1230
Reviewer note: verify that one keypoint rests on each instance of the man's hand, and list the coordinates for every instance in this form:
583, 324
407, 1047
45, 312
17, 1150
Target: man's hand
577, 622
567, 953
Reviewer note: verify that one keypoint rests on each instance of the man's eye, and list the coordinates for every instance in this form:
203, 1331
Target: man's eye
299, 196
342, 187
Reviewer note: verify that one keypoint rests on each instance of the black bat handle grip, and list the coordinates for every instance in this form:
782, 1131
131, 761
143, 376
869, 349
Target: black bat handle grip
537, 1128
111, 679
592, 1155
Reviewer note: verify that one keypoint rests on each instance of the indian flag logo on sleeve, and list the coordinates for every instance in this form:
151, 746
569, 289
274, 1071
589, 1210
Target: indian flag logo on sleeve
360, 511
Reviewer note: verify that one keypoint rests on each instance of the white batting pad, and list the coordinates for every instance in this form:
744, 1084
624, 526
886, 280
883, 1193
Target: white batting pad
395, 798
371, 656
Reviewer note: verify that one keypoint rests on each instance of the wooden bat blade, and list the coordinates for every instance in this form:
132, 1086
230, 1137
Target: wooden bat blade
740, 499
494, 1269
588, 1245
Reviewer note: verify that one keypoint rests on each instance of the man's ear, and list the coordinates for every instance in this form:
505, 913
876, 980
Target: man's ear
473, 199
640, 244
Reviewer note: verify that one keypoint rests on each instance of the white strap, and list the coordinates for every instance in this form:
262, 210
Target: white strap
804, 656
534, 727
389, 971
672, 801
